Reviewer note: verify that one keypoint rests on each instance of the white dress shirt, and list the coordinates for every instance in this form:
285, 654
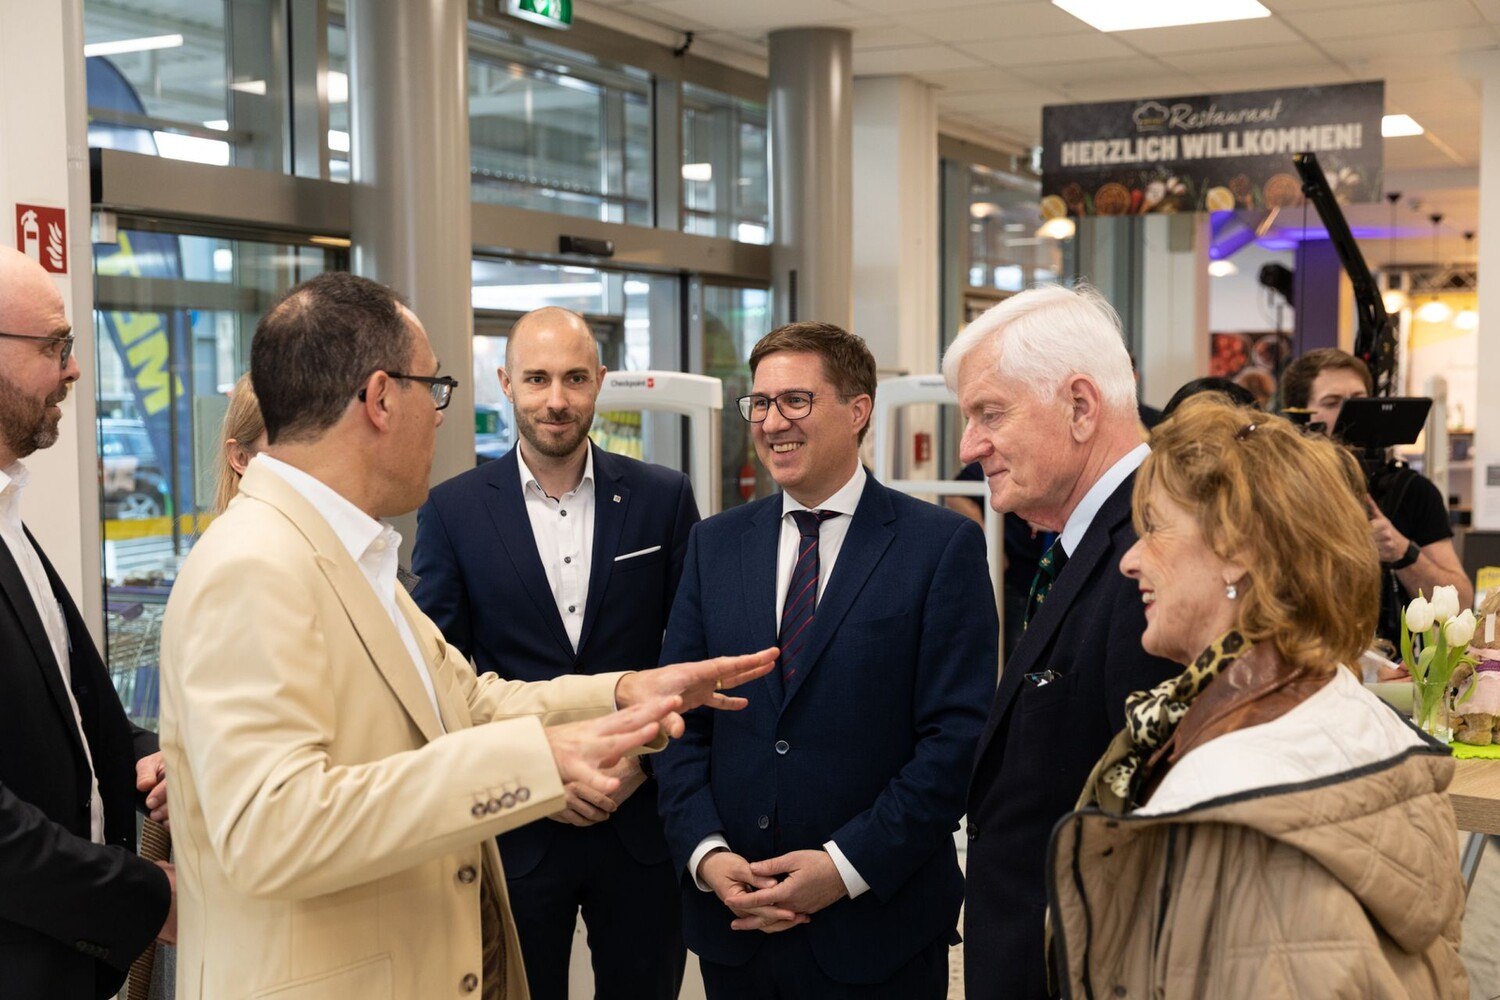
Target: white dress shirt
831, 535
12, 481
564, 533
373, 547
1083, 514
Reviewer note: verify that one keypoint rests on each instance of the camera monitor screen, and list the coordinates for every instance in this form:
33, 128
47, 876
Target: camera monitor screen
1382, 422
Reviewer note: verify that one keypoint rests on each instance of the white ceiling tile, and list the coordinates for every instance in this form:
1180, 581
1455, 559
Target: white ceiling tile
905, 6
887, 36
1102, 71
1409, 45
1267, 59
1385, 19
912, 59
989, 81
1017, 23
1137, 88
1204, 37
1068, 48
763, 15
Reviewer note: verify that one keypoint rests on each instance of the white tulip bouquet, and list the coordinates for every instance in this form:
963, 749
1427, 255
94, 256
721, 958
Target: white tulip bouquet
1434, 641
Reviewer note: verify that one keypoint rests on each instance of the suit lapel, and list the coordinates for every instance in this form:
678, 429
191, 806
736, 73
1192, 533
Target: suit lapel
611, 501
1051, 614
506, 503
758, 549
13, 584
374, 626
868, 538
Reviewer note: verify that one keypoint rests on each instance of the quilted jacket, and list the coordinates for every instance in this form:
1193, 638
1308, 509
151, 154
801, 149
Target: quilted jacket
1312, 856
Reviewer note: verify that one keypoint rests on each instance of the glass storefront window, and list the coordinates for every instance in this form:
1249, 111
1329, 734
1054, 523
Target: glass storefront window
338, 101
633, 316
1005, 252
552, 134
734, 318
725, 167
173, 319
158, 77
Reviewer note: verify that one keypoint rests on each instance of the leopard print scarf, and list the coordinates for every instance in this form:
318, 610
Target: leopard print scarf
1150, 719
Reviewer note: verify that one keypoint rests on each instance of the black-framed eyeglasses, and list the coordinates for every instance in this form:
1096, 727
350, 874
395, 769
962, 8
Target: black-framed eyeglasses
66, 340
440, 386
794, 404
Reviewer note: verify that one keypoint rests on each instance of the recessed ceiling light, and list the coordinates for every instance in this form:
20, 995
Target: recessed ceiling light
1394, 126
1131, 15
701, 172
132, 45
1061, 228
1222, 268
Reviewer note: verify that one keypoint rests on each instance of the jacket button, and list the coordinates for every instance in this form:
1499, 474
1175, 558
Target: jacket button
492, 806
508, 799
763, 822
477, 810
467, 874
782, 746
523, 793
972, 830
469, 983
1120, 991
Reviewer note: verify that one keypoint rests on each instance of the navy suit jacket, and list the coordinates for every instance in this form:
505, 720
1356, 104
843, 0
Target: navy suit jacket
73, 914
480, 579
1040, 744
869, 747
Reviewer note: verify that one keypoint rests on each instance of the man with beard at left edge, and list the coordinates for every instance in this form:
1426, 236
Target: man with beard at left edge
562, 558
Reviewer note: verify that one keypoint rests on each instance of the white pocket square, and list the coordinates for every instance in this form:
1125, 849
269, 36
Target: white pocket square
638, 552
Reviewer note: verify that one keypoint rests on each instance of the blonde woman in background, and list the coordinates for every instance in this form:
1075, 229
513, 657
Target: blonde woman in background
242, 437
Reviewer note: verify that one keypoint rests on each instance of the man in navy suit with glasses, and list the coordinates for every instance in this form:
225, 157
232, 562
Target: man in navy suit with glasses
813, 835
562, 558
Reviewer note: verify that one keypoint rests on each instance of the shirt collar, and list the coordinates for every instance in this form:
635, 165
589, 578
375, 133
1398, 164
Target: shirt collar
844, 501
528, 480
1083, 514
355, 529
13, 479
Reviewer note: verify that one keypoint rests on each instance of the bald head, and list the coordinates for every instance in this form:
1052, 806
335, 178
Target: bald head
553, 330
29, 300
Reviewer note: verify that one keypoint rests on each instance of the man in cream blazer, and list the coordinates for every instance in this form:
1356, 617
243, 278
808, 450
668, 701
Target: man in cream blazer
338, 772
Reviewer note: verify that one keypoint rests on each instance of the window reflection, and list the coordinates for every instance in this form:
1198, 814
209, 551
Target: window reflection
734, 318
173, 319
725, 166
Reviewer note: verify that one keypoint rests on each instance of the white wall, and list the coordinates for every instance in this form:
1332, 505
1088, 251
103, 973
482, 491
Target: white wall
44, 161
1239, 302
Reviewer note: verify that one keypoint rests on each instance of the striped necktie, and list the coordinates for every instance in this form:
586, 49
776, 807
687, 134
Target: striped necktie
801, 593
1047, 570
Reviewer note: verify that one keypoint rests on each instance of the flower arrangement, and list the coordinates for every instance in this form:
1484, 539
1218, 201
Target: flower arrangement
1434, 642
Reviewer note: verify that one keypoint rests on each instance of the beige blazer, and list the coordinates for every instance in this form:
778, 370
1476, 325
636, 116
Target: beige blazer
330, 838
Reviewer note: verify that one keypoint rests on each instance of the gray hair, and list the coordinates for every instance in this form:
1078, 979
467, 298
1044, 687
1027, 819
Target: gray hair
1047, 335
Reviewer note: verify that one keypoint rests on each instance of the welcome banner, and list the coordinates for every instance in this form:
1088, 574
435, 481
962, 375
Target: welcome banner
1214, 152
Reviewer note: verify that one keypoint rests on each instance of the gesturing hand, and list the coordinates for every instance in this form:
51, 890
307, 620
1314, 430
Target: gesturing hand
151, 778
812, 882
586, 806
699, 683
585, 751
732, 880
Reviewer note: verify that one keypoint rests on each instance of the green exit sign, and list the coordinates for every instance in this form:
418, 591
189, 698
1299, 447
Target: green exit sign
552, 13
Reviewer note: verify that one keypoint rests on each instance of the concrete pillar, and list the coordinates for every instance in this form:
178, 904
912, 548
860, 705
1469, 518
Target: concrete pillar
410, 166
1486, 66
895, 232
812, 173
44, 161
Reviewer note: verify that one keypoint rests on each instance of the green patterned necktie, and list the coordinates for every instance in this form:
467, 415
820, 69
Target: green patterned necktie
1052, 562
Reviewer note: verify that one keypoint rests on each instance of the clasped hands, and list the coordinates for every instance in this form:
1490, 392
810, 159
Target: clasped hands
597, 777
775, 894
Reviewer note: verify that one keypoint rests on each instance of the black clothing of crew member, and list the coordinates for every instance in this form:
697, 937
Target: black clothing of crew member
1415, 508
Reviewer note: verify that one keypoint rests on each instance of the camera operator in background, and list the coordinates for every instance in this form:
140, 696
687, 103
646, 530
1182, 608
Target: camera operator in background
1408, 516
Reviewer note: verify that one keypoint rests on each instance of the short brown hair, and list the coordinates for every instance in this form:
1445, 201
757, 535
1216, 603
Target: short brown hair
1297, 380
1285, 505
847, 361
316, 347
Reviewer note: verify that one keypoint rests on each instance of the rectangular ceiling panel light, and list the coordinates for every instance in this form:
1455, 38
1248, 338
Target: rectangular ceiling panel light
1395, 126
1131, 15
123, 45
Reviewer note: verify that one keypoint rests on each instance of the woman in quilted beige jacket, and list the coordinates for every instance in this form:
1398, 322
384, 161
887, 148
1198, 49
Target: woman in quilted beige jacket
1263, 827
